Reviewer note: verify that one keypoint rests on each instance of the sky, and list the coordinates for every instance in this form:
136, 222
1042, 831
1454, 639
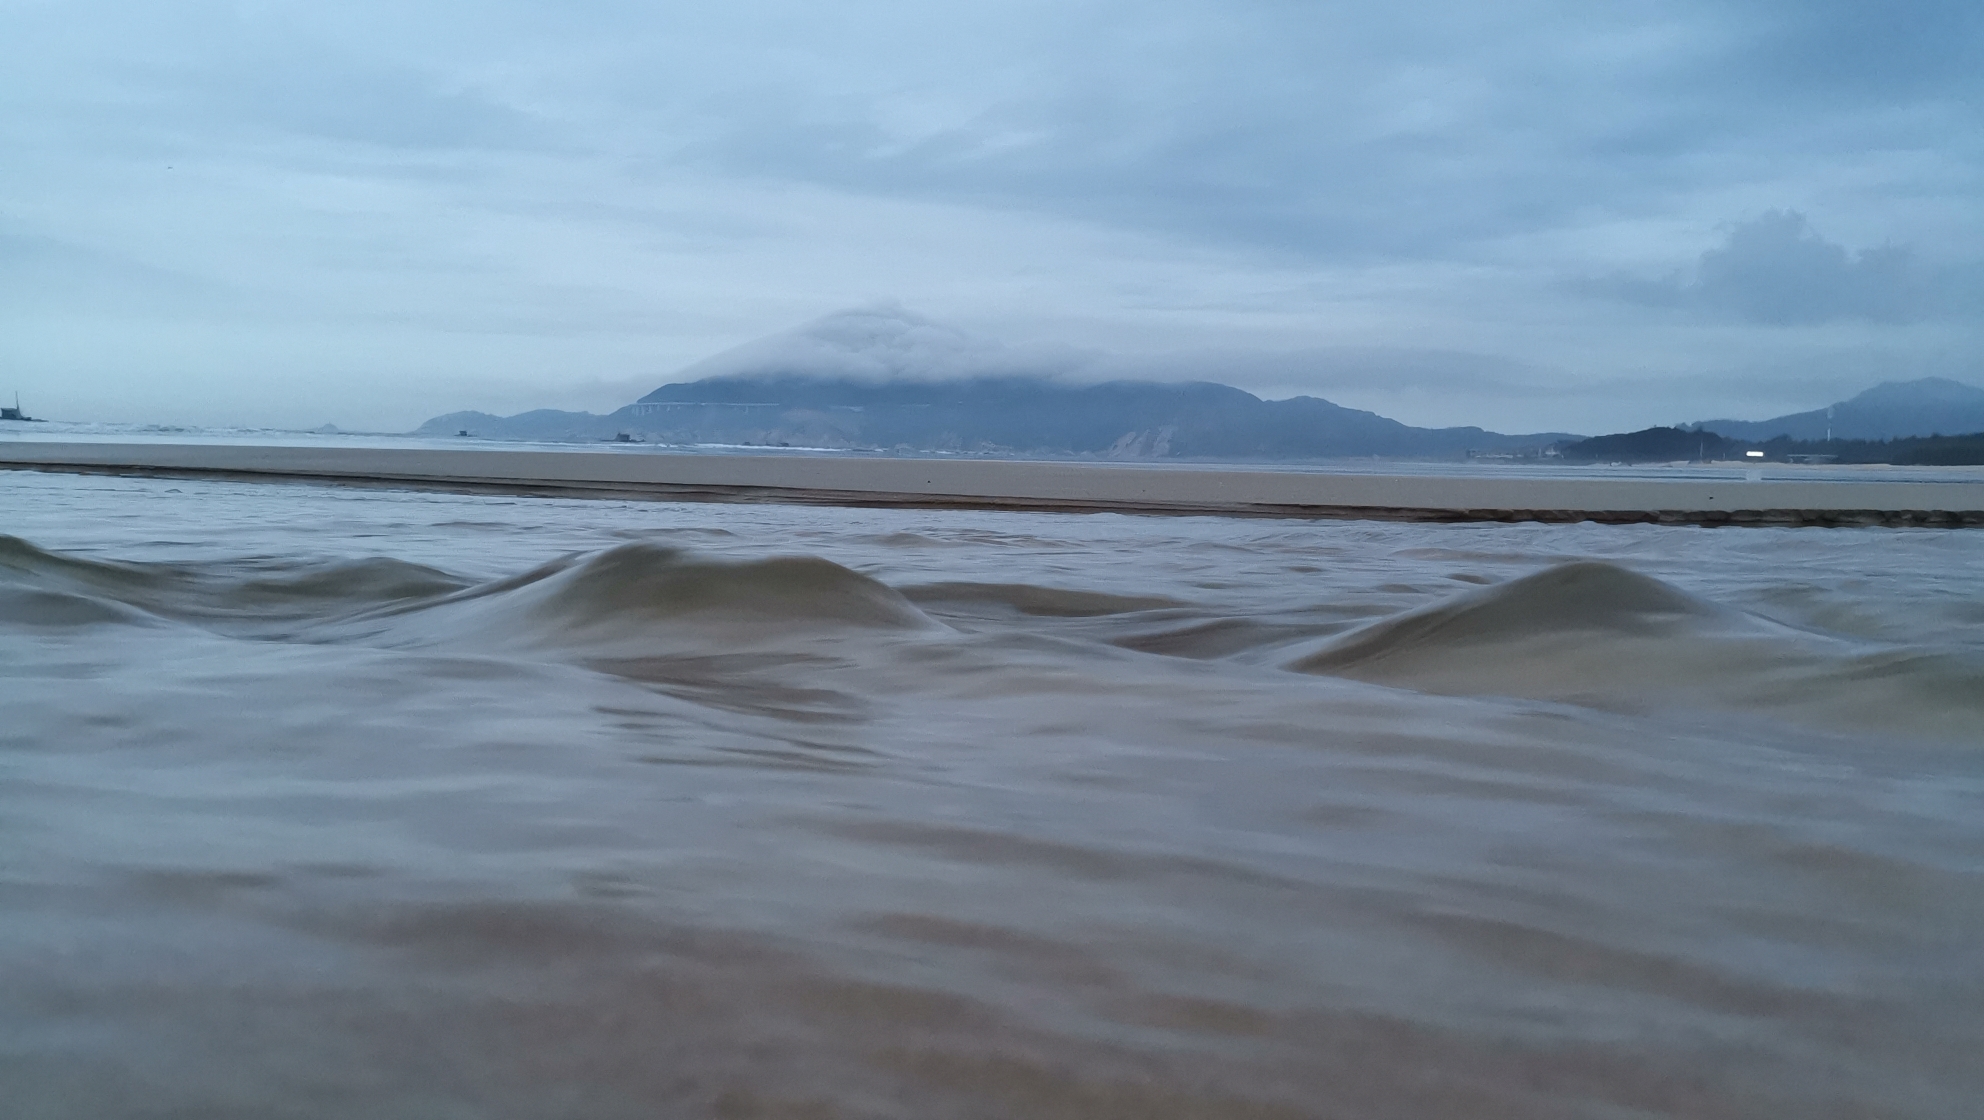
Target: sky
1531, 215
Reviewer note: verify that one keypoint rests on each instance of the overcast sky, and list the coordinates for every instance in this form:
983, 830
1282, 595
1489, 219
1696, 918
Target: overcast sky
1536, 214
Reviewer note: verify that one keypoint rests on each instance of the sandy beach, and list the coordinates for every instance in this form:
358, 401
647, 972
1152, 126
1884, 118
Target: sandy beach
1039, 486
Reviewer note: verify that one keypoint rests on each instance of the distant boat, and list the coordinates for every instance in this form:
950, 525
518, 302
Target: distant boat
15, 412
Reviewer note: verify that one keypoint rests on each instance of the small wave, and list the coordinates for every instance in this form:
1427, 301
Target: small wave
21, 606
22, 562
1222, 637
1028, 599
1598, 635
640, 593
238, 596
373, 580
910, 540
40, 588
1586, 596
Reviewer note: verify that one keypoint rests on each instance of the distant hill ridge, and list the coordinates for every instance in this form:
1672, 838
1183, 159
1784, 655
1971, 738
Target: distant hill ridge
1676, 445
1017, 414
1890, 410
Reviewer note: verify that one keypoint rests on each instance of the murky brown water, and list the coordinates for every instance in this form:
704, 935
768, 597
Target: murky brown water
321, 803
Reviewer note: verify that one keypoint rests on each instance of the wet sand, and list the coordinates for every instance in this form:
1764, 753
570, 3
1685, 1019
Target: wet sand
1039, 486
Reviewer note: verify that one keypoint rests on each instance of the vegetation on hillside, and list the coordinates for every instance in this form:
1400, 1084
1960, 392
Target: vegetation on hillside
1668, 445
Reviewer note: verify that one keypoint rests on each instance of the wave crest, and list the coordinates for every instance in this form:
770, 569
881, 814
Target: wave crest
1584, 597
1598, 635
642, 592
247, 597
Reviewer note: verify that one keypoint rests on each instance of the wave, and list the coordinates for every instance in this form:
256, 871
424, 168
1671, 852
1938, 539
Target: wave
1224, 638
252, 597
27, 606
23, 564
1588, 633
642, 595
1589, 597
311, 589
1599, 635
1031, 599
632, 594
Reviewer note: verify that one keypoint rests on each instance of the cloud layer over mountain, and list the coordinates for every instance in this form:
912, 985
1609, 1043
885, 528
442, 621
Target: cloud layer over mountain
887, 342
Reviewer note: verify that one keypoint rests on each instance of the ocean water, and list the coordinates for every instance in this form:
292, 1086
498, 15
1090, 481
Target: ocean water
350, 803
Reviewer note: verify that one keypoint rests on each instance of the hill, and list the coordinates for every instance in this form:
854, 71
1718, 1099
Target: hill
1891, 410
1669, 445
1653, 445
1001, 414
538, 424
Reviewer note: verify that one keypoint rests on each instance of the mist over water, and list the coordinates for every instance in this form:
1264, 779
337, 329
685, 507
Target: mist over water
326, 803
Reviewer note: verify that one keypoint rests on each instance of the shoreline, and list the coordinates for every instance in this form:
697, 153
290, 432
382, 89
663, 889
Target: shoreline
1035, 486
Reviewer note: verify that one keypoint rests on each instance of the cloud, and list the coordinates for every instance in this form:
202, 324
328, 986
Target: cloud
43, 274
1351, 200
1433, 387
1404, 130
1846, 50
886, 342
1777, 270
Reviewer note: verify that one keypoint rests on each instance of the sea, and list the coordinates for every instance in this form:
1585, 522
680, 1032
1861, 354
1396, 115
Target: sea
341, 803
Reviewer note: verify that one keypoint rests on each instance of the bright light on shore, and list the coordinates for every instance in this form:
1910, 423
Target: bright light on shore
1753, 454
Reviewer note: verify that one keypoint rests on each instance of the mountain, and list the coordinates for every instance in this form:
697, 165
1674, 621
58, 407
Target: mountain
1654, 445
1893, 409
1133, 419
1000, 414
540, 424
884, 377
